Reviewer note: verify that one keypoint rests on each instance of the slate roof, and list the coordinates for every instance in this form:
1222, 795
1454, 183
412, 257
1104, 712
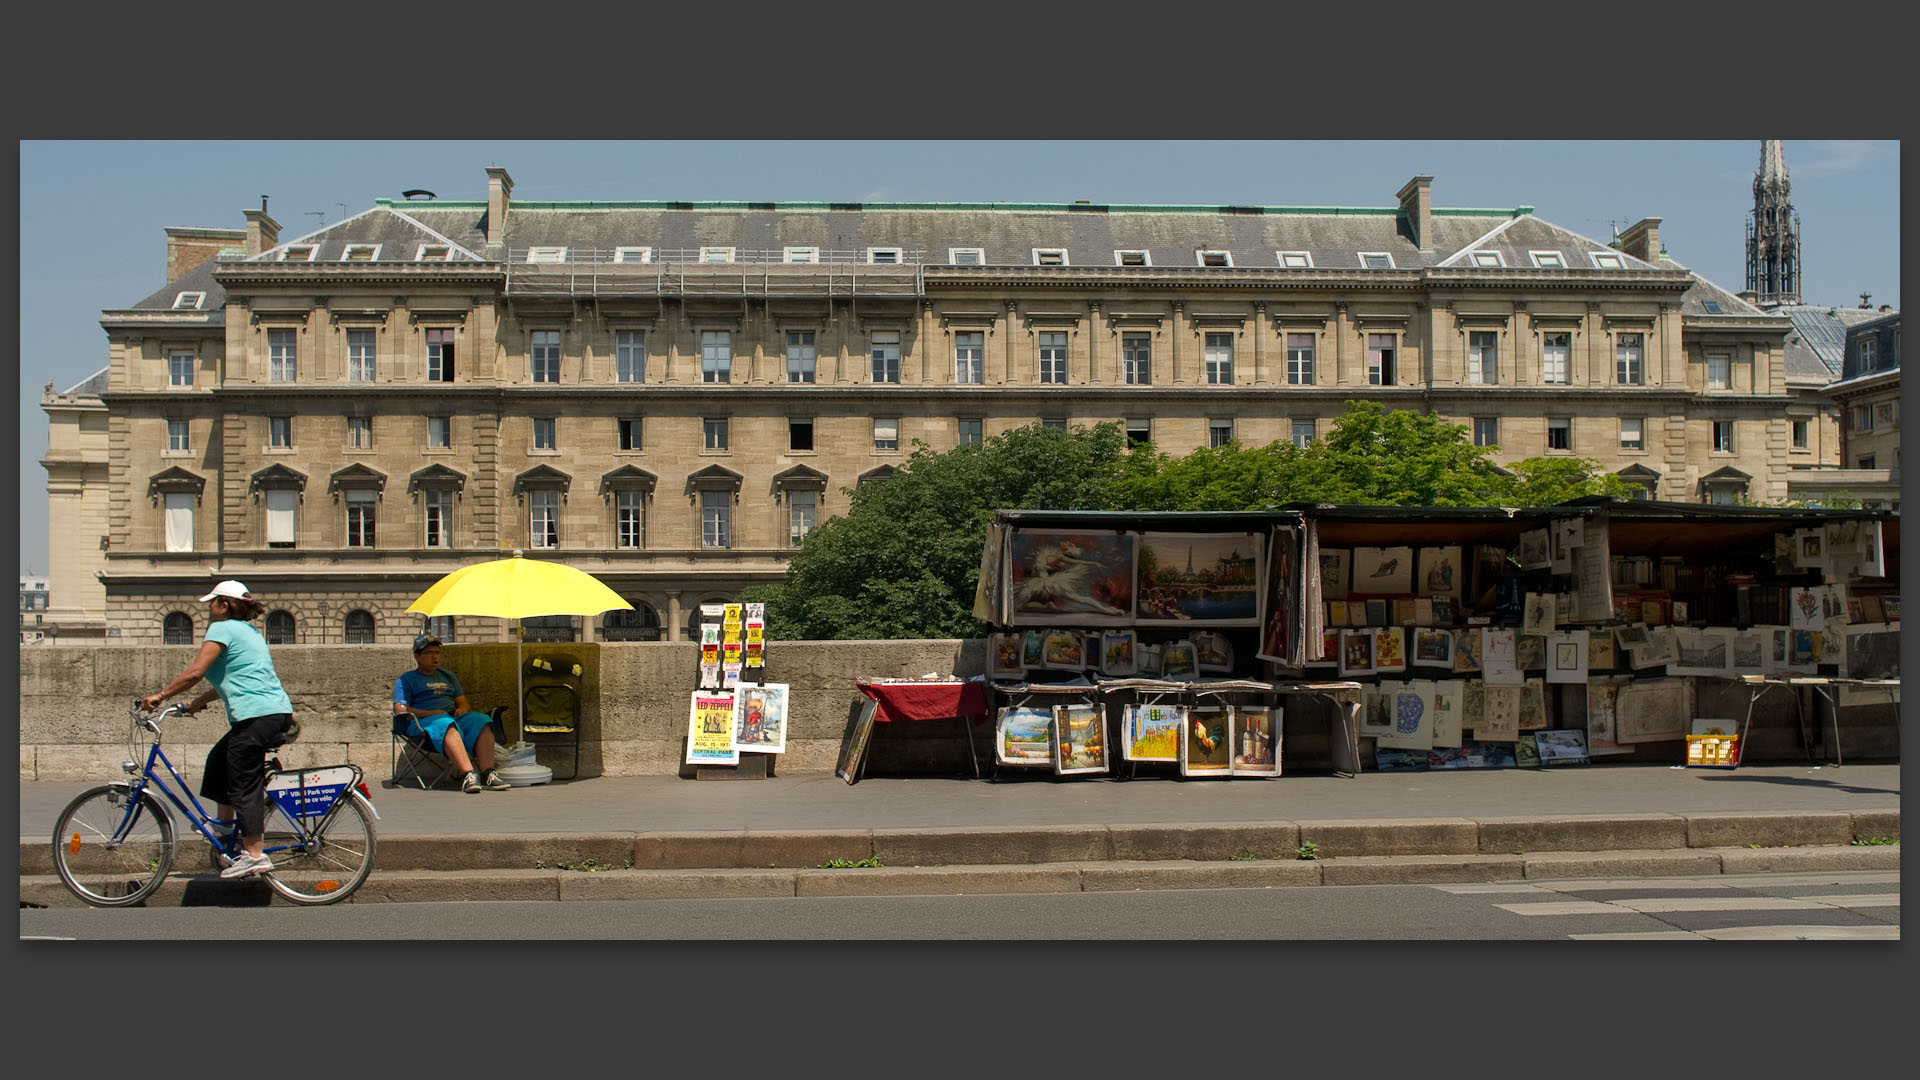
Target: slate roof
1822, 330
95, 383
397, 232
198, 279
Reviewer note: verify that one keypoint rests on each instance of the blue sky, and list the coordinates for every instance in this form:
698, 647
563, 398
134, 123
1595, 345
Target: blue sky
92, 213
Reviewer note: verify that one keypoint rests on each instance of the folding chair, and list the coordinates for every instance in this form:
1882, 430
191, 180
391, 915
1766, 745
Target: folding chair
551, 704
411, 751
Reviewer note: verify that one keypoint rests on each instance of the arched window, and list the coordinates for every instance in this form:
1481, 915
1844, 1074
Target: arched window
549, 628
280, 628
177, 629
440, 626
640, 624
694, 618
359, 627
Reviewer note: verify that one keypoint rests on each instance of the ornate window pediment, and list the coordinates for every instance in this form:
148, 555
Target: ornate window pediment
436, 475
714, 478
629, 478
542, 476
276, 476
174, 481
1726, 475
1637, 474
357, 476
875, 475
798, 478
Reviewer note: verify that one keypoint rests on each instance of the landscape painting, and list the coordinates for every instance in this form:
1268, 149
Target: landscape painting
1024, 736
1057, 577
1213, 578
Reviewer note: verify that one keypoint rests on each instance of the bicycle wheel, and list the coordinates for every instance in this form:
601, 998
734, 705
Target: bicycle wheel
325, 866
103, 871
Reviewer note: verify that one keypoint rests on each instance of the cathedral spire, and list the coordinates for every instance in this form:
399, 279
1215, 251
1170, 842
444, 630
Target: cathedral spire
1773, 232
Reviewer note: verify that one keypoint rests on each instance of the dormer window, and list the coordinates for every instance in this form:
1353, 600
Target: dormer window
883, 255
1548, 260
966, 256
547, 254
1049, 256
1300, 260
360, 253
1489, 258
633, 254
1132, 258
1213, 258
1376, 260
189, 301
1712, 306
1607, 260
800, 255
433, 253
716, 254
298, 252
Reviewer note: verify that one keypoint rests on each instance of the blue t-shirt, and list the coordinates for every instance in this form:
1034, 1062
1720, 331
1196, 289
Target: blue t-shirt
434, 692
243, 673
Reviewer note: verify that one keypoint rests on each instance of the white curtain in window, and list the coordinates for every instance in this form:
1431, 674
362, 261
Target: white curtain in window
280, 502
179, 521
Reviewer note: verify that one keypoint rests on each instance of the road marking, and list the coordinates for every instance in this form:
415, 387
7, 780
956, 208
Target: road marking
1651, 935
1563, 907
1760, 933
1857, 899
1719, 881
1717, 903
1469, 890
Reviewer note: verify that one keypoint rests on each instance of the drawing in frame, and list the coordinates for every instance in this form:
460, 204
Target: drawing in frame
1216, 579
1061, 577
1356, 652
1256, 740
710, 729
1566, 656
1005, 652
1379, 571
1466, 649
1023, 735
1206, 743
1440, 572
1066, 650
1433, 647
1152, 732
1390, 649
1179, 660
760, 718
1079, 739
1703, 651
1212, 651
1336, 565
1652, 710
1117, 653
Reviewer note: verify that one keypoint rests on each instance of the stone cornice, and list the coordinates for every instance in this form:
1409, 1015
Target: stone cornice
332, 275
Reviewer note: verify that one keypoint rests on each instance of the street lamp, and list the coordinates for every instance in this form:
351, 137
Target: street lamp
323, 622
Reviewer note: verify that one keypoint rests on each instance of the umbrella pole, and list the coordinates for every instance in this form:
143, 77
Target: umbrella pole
520, 677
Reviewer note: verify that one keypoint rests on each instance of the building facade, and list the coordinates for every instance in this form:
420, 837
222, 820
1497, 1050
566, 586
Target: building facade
671, 394
1867, 398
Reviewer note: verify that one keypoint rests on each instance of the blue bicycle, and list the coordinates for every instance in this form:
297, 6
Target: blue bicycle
114, 844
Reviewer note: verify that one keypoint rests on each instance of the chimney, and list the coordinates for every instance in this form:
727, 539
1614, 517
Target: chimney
262, 231
499, 188
1642, 240
188, 248
1416, 201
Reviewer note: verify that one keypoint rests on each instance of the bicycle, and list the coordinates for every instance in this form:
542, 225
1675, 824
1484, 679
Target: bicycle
113, 845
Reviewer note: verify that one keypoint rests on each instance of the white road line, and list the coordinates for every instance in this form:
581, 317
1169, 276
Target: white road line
1652, 935
1717, 903
1760, 933
1564, 907
1718, 881
1469, 890
1857, 899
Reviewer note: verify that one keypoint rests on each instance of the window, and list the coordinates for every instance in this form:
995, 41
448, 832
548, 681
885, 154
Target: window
283, 356
543, 522
801, 358
629, 519
633, 254
716, 520
360, 253
439, 356
970, 357
1798, 434
1301, 260
437, 504
546, 356
1486, 431
189, 301
1376, 260
800, 255
1633, 434
439, 432
1136, 359
1865, 462
1719, 371
1548, 260
1556, 355
716, 254
180, 369
1380, 350
630, 433
547, 254
1723, 436
971, 432
433, 253
883, 255
1219, 432
280, 512
800, 434
280, 432
1559, 433
1053, 357
803, 512
1483, 357
1300, 348
1054, 425
1712, 306
360, 432
966, 256
886, 433
1606, 260
1139, 431
1219, 359
1489, 258
714, 430
1868, 358
177, 436
1213, 258
360, 356
359, 627
177, 629
716, 356
1049, 256
1862, 418
298, 253
543, 433
280, 628
1132, 258
885, 351
360, 505
1303, 434
630, 356
179, 520
1629, 359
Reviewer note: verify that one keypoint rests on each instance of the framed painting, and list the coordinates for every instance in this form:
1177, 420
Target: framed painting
1005, 656
1205, 745
1079, 739
1148, 659
1187, 578
1440, 572
1600, 650
1336, 565
1256, 740
1212, 651
1152, 732
760, 718
1466, 649
1702, 651
710, 729
1567, 660
1390, 648
1066, 650
1058, 576
1433, 647
1410, 705
1383, 571
1179, 660
1033, 648
1356, 652
1024, 736
1117, 653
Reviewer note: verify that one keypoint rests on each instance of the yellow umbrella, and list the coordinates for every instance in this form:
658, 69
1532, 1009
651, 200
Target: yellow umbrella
518, 588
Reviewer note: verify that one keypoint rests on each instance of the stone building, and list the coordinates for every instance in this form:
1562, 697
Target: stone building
1867, 397
671, 394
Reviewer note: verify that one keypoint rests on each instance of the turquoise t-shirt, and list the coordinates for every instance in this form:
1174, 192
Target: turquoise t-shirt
244, 674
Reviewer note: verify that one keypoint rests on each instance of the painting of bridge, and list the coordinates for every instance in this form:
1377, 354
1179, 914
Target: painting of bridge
1209, 578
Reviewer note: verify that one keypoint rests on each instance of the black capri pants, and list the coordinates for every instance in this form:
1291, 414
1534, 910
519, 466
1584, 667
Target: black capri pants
236, 772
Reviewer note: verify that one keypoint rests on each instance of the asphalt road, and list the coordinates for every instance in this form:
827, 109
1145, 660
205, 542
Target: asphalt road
1843, 905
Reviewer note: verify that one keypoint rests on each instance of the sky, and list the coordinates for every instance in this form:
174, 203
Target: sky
92, 213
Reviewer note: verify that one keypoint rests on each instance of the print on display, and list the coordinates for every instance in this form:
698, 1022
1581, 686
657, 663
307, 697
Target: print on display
1187, 578
1024, 736
1205, 748
1152, 732
1080, 739
1256, 740
1056, 576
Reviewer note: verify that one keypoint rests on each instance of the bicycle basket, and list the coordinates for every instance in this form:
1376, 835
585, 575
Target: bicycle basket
310, 793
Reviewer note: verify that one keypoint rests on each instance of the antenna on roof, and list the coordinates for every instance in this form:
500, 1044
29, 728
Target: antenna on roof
321, 214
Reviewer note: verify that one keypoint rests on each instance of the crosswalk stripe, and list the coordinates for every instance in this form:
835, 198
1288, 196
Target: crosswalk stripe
1717, 881
1717, 903
1857, 899
1563, 907
1759, 933
1511, 887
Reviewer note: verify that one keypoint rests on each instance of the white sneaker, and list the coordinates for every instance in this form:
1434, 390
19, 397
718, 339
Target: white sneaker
471, 785
247, 865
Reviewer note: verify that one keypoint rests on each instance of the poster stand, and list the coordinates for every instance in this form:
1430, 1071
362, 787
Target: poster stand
732, 656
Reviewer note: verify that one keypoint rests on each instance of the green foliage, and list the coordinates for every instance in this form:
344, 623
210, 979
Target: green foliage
1877, 841
1307, 850
868, 863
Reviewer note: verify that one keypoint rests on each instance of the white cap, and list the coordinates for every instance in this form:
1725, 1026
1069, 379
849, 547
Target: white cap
228, 588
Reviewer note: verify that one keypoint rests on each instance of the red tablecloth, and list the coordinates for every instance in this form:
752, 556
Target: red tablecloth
926, 700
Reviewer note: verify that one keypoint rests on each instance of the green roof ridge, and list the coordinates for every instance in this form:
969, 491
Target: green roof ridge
951, 207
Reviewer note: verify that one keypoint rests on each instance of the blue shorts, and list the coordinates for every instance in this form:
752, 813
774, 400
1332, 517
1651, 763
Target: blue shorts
470, 726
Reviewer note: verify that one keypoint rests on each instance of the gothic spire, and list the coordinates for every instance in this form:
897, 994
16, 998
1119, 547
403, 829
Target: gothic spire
1773, 232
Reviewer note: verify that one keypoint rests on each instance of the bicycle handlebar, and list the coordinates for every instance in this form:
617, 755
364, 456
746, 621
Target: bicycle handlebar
151, 721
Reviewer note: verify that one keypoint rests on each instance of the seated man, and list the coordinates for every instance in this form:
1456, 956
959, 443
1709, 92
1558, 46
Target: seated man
439, 709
